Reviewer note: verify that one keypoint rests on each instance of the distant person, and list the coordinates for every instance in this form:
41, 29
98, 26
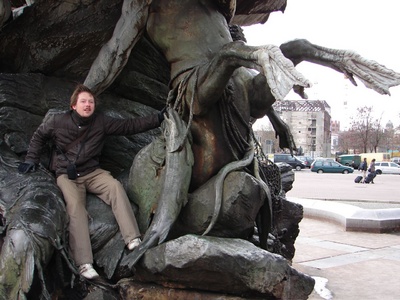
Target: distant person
363, 168
79, 137
372, 170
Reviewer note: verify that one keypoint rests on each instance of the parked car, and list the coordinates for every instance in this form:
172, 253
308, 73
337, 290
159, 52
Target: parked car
289, 159
395, 160
329, 166
386, 167
307, 161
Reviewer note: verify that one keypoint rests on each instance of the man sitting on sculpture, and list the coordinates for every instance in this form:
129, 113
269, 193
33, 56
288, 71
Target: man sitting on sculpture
79, 136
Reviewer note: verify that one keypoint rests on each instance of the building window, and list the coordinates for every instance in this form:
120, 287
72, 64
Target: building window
314, 131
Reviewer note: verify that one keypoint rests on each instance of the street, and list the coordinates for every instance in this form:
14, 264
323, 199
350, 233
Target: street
341, 187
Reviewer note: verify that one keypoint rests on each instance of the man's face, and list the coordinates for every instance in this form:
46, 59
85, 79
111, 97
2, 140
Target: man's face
84, 105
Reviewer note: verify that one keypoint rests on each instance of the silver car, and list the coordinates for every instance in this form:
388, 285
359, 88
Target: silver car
387, 167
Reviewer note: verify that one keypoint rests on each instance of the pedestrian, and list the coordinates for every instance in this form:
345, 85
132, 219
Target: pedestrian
79, 136
371, 169
363, 168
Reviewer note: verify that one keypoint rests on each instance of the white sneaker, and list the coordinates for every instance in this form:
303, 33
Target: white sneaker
87, 271
134, 243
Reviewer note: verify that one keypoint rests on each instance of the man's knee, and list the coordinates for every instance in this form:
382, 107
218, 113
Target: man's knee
115, 184
116, 190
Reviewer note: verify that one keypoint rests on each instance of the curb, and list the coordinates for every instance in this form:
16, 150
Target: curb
350, 217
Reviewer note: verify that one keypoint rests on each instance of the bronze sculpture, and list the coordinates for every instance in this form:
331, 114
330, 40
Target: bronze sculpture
222, 60
212, 82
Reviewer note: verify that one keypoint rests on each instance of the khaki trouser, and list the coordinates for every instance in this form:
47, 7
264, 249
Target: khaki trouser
107, 188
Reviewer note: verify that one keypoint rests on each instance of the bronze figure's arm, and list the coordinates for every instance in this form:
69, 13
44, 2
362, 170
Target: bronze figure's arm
372, 74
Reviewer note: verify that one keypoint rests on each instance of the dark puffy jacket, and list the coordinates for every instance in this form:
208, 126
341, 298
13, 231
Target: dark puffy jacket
63, 129
363, 166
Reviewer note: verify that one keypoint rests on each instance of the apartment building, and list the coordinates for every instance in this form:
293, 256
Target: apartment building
310, 124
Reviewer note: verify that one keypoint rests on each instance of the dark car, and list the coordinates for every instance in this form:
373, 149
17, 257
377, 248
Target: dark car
329, 166
289, 159
307, 160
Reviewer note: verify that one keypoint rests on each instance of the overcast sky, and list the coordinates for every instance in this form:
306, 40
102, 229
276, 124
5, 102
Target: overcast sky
371, 28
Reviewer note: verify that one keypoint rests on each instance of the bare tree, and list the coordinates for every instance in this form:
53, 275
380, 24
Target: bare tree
377, 135
389, 138
362, 126
396, 138
348, 140
366, 133
396, 141
392, 138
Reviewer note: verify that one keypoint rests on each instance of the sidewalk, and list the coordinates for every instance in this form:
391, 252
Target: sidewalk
348, 265
355, 265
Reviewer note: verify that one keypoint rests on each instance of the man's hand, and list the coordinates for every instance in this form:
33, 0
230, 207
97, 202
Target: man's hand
26, 167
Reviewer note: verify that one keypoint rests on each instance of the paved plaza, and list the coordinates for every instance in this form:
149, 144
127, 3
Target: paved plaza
341, 187
347, 265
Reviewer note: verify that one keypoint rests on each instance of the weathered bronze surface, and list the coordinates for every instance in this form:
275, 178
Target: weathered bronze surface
180, 53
